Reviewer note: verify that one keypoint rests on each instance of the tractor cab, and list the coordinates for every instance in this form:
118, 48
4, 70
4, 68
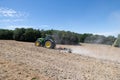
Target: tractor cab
49, 37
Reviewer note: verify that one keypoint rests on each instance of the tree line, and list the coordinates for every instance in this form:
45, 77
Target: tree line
61, 37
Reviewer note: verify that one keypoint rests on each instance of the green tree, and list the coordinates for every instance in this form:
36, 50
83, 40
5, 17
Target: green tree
31, 34
109, 40
117, 41
19, 34
84, 36
6, 34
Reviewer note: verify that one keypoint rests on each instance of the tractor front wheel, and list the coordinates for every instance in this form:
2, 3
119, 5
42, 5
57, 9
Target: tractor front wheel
37, 43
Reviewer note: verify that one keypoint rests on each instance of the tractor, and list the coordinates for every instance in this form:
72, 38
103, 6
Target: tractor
47, 42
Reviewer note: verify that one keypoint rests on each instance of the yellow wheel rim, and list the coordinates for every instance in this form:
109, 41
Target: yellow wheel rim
47, 44
37, 43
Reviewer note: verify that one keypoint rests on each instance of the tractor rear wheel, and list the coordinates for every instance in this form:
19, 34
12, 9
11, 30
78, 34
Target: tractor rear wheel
37, 43
49, 44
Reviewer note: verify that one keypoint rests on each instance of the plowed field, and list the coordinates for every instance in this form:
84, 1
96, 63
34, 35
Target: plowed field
24, 61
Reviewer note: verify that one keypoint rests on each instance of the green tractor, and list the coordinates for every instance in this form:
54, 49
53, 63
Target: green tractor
47, 42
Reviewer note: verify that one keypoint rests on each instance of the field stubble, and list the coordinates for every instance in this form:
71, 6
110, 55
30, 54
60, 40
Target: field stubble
24, 61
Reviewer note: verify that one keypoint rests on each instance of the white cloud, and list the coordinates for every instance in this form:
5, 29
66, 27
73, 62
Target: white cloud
13, 27
10, 16
114, 18
10, 20
45, 27
6, 12
113, 33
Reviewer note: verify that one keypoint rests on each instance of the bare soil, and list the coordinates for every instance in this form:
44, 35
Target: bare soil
24, 61
105, 52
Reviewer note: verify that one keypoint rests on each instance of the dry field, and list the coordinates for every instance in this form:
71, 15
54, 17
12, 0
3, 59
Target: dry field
105, 52
24, 61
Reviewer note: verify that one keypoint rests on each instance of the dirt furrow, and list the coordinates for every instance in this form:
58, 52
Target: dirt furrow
45, 64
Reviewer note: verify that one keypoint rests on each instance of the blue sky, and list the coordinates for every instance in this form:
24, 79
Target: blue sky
81, 16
